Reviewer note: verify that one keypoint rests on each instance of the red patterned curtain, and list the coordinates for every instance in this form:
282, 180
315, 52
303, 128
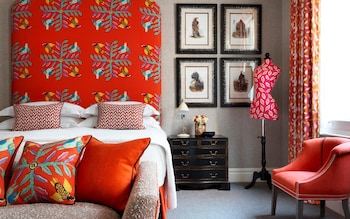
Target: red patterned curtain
304, 74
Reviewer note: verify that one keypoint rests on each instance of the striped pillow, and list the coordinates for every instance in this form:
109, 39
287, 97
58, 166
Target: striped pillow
111, 116
37, 117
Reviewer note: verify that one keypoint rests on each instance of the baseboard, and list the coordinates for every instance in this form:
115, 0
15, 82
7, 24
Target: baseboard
242, 174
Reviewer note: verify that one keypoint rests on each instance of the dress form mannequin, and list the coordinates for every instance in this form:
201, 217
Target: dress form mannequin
264, 107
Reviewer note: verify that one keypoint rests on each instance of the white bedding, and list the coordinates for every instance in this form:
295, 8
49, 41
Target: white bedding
158, 151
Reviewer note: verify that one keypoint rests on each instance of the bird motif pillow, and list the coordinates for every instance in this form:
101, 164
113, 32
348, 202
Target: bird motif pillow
8, 148
46, 172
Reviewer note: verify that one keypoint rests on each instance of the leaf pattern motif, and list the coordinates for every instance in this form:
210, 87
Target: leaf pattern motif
41, 164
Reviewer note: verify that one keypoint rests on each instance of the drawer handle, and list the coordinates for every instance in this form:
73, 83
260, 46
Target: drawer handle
213, 175
185, 143
213, 163
185, 176
185, 164
185, 153
213, 152
213, 143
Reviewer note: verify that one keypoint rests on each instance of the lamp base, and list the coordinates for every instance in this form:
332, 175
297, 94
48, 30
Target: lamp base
183, 135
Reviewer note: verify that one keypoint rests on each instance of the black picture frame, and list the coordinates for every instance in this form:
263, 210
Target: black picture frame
235, 88
196, 30
241, 29
196, 81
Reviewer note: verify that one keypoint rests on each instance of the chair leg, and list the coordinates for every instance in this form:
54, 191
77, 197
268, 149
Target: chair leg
345, 203
322, 208
274, 200
300, 204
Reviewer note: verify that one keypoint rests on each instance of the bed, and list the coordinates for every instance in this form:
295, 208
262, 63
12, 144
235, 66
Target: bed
83, 54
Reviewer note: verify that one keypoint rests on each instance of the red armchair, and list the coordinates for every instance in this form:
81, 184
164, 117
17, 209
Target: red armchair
320, 172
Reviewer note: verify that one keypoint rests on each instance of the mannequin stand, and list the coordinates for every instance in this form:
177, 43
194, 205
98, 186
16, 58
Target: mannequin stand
263, 174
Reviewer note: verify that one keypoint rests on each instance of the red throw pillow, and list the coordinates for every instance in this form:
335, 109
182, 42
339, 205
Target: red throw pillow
107, 171
112, 116
37, 117
8, 149
46, 172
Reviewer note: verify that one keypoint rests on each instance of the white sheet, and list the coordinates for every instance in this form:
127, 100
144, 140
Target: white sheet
158, 151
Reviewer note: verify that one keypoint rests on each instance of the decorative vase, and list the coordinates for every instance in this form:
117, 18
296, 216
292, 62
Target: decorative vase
199, 128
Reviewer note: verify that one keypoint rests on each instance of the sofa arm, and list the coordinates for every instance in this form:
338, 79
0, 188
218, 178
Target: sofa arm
144, 201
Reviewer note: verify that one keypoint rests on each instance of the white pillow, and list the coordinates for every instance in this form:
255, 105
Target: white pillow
68, 109
93, 110
69, 122
66, 122
91, 122
7, 124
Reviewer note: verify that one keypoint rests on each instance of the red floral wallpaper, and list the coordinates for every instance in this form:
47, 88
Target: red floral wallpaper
86, 51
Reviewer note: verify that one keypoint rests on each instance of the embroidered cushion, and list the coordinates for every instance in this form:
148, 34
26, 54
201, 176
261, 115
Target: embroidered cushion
112, 116
29, 117
46, 172
8, 149
107, 171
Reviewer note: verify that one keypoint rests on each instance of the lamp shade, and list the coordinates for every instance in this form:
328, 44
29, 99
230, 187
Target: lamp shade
183, 108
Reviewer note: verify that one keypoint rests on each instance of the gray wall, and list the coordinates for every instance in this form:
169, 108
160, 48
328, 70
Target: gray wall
234, 122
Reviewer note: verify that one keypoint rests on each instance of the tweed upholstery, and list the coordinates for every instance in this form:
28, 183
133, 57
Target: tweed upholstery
143, 203
144, 198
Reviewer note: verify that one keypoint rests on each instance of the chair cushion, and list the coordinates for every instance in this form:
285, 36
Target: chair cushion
287, 180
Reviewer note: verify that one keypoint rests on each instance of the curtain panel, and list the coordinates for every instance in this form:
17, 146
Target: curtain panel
304, 74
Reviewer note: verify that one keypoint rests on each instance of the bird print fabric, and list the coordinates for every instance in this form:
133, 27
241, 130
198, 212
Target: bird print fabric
87, 51
46, 172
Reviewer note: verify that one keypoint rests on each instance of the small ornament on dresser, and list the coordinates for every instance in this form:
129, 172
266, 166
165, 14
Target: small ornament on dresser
200, 122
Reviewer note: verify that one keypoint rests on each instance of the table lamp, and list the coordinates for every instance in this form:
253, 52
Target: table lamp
182, 110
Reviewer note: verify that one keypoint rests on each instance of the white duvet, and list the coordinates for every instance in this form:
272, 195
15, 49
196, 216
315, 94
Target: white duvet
158, 151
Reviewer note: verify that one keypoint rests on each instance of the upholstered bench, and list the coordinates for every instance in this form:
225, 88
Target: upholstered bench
143, 203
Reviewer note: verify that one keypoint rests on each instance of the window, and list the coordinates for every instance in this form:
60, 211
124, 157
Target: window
335, 68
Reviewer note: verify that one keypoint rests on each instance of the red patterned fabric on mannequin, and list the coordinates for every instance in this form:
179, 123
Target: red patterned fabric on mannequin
264, 105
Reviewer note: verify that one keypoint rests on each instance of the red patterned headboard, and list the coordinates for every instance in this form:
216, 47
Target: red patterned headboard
86, 51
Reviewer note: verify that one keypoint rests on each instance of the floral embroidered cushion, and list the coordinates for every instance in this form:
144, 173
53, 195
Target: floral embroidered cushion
8, 149
46, 172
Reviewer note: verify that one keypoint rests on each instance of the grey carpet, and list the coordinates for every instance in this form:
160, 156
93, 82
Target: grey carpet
239, 203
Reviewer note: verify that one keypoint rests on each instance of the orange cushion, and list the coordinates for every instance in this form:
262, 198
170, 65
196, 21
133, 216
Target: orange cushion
8, 149
107, 171
46, 173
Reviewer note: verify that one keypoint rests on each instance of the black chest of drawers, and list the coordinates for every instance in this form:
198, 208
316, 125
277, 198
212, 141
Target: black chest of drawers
200, 162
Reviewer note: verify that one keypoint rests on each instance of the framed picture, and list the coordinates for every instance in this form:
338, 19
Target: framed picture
241, 27
196, 81
237, 80
196, 28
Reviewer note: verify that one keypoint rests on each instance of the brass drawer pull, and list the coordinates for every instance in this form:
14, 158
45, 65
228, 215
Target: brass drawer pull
185, 176
213, 175
185, 153
213, 143
185, 143
213, 152
213, 163
185, 164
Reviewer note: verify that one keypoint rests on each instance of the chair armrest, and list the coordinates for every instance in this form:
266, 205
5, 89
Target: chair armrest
144, 201
335, 171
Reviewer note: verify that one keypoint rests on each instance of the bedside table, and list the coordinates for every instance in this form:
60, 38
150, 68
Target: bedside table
200, 162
